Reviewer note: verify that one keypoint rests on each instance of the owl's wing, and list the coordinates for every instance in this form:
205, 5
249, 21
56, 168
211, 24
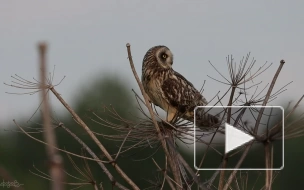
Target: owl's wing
181, 94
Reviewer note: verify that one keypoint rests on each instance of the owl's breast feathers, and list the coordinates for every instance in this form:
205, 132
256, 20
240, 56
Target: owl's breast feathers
172, 92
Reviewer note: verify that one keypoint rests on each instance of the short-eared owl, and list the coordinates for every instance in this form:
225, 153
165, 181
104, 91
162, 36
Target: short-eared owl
167, 88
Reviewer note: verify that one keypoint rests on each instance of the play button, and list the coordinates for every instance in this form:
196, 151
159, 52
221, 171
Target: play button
235, 138
232, 138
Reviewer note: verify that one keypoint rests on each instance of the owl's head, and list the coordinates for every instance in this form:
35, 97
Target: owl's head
158, 56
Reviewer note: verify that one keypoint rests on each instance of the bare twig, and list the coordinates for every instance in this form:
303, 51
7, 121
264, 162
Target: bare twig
70, 153
268, 164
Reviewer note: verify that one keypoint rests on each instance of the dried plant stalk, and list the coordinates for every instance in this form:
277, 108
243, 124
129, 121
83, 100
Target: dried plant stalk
91, 134
55, 160
233, 173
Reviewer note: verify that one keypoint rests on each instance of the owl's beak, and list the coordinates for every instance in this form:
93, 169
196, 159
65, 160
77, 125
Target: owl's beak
170, 61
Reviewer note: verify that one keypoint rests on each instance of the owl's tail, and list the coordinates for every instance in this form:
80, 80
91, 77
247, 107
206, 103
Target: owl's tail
206, 120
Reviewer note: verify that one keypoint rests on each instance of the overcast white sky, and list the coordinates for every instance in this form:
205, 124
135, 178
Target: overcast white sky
89, 37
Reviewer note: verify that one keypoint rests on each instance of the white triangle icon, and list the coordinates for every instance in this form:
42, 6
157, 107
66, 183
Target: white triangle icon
235, 138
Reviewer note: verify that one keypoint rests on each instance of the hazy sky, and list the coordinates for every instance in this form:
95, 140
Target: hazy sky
88, 38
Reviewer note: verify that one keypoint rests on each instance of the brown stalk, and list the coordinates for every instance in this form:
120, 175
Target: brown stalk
224, 163
192, 173
268, 164
233, 173
95, 139
55, 160
237, 76
268, 148
174, 169
256, 127
87, 148
165, 174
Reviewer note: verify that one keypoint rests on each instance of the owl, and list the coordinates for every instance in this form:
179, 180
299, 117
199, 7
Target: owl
169, 90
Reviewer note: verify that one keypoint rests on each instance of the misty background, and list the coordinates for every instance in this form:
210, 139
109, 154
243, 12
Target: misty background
89, 38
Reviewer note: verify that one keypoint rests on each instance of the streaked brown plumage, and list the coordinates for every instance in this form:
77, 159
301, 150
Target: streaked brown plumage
167, 88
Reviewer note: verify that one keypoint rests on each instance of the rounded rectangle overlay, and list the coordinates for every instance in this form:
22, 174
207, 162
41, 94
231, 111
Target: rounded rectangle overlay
239, 138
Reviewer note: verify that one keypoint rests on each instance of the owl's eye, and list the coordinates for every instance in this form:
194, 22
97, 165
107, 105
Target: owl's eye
164, 56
